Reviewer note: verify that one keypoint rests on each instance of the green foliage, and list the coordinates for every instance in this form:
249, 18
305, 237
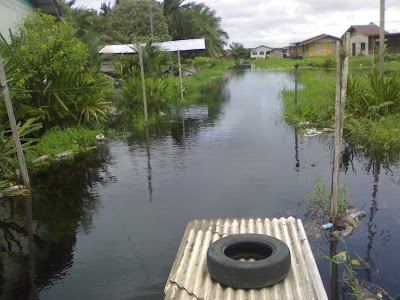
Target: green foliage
319, 200
129, 22
50, 79
159, 92
373, 96
378, 138
58, 140
238, 51
195, 20
8, 152
316, 101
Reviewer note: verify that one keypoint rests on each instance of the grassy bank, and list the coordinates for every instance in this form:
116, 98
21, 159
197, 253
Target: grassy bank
372, 109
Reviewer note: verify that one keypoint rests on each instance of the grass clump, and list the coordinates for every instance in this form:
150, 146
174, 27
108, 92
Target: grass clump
58, 140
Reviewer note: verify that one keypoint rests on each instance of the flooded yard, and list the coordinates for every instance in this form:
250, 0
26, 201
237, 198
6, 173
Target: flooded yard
109, 226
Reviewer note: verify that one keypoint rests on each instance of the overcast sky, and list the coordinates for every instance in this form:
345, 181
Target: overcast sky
278, 23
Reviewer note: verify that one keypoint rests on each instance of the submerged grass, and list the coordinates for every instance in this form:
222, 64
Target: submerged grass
58, 140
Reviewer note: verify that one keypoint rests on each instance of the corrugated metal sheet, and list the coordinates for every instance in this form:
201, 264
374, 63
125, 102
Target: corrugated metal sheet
182, 45
189, 277
118, 49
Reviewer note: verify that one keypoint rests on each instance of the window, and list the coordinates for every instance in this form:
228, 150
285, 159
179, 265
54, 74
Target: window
261, 52
362, 46
333, 47
254, 53
317, 47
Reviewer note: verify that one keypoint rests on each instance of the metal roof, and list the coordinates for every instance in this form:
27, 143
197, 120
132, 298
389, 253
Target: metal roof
189, 277
317, 38
371, 29
118, 49
49, 7
182, 45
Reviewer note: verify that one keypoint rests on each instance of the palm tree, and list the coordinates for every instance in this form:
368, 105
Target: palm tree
195, 20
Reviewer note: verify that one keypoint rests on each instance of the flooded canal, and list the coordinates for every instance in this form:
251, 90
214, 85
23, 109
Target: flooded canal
109, 227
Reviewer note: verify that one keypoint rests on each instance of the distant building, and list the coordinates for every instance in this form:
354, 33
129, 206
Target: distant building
13, 11
276, 53
260, 52
320, 45
363, 38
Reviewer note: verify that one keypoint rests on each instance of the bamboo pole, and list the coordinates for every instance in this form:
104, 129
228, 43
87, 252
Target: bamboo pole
382, 38
140, 50
342, 66
13, 125
180, 73
296, 83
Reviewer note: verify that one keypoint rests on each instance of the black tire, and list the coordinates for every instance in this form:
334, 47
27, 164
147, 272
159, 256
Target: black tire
271, 265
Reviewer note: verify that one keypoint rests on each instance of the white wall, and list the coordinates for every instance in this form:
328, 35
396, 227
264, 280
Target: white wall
359, 38
258, 50
11, 12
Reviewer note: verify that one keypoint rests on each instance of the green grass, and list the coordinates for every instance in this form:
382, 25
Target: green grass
316, 100
57, 140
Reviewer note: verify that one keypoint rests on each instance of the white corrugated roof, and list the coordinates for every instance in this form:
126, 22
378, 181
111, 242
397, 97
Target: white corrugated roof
189, 277
182, 45
118, 49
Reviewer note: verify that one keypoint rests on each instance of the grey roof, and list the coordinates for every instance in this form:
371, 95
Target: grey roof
49, 7
118, 49
189, 277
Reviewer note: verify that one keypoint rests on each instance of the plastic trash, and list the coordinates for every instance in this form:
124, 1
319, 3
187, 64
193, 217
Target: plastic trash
327, 226
100, 137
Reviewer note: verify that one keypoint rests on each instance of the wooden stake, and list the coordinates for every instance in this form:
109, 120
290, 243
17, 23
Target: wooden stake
13, 124
382, 39
140, 50
180, 73
296, 82
342, 67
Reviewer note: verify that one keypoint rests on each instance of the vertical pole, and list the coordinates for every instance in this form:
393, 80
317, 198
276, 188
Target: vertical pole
180, 73
296, 82
151, 24
382, 39
140, 50
342, 56
13, 124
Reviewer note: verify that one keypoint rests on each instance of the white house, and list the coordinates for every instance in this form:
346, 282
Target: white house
363, 38
260, 52
13, 11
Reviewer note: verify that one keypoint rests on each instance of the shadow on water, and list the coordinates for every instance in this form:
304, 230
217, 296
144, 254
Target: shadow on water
37, 248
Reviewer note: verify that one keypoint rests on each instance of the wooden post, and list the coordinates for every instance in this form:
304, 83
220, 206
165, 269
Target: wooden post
180, 73
296, 81
13, 124
342, 66
382, 39
140, 50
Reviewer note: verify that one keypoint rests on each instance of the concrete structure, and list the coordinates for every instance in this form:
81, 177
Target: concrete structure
276, 53
189, 277
260, 52
13, 11
363, 38
320, 45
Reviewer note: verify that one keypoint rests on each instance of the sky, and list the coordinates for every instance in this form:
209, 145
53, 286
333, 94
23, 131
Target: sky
280, 22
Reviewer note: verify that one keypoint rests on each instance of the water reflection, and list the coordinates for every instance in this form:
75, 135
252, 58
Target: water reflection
36, 249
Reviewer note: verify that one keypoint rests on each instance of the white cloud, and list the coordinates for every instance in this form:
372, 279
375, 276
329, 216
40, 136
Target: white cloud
278, 23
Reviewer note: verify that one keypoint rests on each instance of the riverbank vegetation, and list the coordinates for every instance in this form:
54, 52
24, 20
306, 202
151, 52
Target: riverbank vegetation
57, 89
372, 107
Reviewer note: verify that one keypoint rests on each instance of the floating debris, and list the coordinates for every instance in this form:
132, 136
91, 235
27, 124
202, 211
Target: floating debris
358, 264
100, 137
311, 132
